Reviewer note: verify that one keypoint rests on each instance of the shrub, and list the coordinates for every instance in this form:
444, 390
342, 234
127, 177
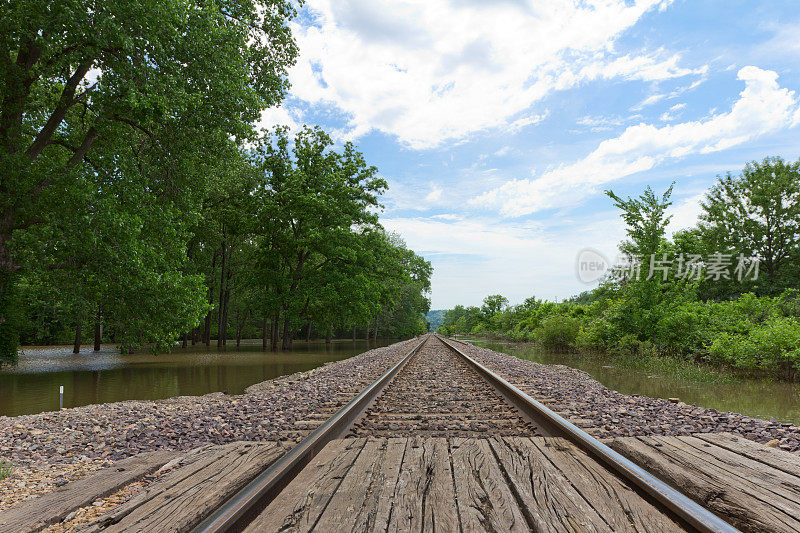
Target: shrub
558, 332
773, 346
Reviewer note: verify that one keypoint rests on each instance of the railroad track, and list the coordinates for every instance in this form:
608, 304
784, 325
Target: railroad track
437, 390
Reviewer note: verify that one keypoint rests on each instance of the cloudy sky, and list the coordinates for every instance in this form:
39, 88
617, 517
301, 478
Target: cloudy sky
498, 124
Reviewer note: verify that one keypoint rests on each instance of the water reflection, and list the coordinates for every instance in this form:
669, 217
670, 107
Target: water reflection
107, 376
753, 397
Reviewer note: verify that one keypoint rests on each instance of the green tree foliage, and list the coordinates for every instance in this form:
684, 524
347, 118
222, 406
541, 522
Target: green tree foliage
291, 245
493, 304
757, 213
145, 94
138, 202
646, 220
435, 318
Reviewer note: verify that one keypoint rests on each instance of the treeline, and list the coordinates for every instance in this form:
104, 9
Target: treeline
724, 292
140, 206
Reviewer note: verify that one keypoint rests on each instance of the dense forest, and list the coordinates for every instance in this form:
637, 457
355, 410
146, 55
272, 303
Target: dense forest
723, 292
141, 206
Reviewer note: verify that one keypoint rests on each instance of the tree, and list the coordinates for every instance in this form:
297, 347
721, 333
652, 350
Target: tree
168, 79
315, 205
646, 220
640, 300
493, 304
757, 214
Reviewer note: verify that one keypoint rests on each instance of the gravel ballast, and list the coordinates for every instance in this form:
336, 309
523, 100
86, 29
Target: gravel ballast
50, 449
606, 413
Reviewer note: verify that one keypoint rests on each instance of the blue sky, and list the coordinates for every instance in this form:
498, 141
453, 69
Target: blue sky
499, 124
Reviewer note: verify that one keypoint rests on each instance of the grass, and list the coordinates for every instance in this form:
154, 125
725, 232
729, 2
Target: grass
5, 469
674, 366
670, 366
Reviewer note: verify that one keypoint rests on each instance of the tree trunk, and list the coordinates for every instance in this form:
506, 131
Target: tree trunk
185, 341
9, 310
328, 335
376, 330
221, 333
286, 345
273, 336
98, 330
264, 333
308, 332
354, 334
77, 346
207, 329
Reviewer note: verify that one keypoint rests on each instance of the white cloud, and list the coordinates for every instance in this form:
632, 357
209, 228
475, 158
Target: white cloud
685, 212
474, 257
434, 195
763, 107
429, 72
279, 116
600, 123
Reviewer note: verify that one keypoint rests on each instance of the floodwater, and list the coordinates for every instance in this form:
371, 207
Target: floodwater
107, 376
752, 397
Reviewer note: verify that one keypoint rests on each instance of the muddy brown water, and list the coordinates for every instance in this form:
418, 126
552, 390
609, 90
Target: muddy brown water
107, 376
752, 397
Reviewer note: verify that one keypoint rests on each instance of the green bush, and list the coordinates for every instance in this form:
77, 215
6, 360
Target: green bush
773, 346
558, 332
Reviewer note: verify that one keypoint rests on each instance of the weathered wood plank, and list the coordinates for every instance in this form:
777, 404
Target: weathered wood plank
622, 508
780, 459
53, 507
302, 502
386, 490
770, 479
677, 450
354, 496
485, 502
548, 499
737, 503
424, 499
372, 480
180, 500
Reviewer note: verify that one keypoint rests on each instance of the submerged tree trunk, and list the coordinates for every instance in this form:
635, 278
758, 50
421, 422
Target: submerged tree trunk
98, 330
273, 336
264, 333
77, 346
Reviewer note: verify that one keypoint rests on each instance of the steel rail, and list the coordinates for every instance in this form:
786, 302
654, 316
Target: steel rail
685, 508
233, 514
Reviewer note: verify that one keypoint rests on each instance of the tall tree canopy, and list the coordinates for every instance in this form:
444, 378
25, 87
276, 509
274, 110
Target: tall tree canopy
96, 94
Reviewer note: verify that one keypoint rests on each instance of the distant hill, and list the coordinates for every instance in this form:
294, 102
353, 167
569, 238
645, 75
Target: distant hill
435, 318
